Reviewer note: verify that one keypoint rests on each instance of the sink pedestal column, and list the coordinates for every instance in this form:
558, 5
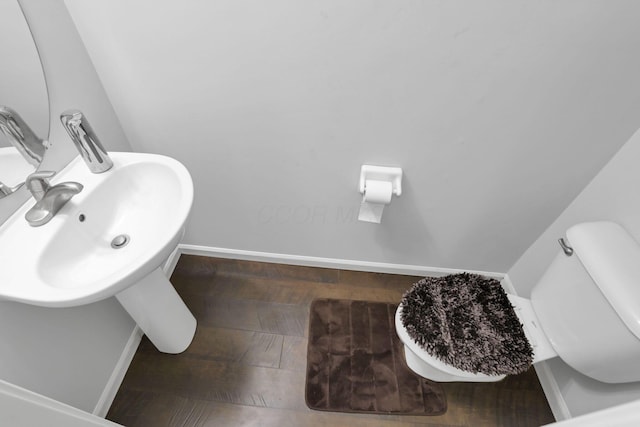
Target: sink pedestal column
159, 311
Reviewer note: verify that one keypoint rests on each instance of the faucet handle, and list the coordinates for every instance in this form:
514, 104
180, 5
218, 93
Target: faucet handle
38, 183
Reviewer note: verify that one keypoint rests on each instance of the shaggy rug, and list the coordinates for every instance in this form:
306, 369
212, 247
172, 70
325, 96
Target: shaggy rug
467, 321
355, 363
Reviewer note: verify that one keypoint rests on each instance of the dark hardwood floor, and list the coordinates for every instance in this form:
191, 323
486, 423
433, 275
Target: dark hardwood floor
246, 365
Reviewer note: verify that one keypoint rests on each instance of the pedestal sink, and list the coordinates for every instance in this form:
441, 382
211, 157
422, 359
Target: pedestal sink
108, 240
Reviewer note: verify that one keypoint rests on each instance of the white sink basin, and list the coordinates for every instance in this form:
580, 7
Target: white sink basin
148, 201
70, 261
67, 262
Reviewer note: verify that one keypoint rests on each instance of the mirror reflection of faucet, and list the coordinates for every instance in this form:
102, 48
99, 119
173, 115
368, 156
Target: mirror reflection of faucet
21, 136
24, 145
5, 189
49, 198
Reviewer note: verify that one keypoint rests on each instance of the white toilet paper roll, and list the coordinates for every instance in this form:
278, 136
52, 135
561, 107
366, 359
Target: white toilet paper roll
377, 194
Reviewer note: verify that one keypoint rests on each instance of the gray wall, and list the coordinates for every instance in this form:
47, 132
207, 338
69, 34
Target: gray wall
273, 106
613, 195
66, 354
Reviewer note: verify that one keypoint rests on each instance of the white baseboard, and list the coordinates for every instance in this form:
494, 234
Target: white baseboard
170, 263
310, 261
551, 390
119, 371
507, 285
22, 407
547, 380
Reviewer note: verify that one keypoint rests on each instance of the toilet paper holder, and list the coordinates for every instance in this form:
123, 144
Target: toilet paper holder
381, 173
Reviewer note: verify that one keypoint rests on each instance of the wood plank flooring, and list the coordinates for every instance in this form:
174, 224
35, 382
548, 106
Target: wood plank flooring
246, 365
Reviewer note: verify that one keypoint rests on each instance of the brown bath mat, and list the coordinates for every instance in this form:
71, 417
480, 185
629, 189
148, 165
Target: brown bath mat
355, 363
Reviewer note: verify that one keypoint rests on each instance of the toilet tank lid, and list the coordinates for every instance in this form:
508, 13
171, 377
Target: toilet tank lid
611, 256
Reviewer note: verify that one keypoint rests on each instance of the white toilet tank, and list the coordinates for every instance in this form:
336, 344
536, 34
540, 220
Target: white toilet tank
589, 303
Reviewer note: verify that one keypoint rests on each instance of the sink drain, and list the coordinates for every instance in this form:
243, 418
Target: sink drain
120, 241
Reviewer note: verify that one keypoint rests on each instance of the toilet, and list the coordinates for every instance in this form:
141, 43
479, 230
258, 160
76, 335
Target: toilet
585, 309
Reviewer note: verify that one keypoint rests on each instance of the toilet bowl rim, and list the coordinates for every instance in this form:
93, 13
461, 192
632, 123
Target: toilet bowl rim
432, 360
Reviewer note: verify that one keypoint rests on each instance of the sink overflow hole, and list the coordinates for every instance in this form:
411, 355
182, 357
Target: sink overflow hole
81, 218
120, 241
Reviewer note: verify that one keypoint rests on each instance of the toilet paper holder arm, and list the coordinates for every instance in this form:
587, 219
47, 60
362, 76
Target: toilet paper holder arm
381, 173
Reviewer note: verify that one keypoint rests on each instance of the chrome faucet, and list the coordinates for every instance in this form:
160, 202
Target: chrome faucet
49, 198
86, 141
